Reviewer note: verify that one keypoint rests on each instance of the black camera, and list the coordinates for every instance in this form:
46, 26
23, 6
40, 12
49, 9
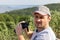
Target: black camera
25, 25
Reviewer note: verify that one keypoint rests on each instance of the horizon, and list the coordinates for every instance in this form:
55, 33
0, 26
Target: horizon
7, 8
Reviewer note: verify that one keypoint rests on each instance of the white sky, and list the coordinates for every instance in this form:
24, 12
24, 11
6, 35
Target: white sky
27, 2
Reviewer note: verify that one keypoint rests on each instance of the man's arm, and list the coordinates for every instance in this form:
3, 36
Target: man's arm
21, 37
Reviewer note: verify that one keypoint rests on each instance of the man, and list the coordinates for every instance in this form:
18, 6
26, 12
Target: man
43, 31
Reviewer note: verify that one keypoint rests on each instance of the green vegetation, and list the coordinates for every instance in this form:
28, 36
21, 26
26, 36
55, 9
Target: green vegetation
9, 20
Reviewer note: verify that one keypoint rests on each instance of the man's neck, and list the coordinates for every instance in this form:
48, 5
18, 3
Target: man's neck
42, 28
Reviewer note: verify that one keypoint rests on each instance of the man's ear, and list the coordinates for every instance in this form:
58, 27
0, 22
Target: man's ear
49, 18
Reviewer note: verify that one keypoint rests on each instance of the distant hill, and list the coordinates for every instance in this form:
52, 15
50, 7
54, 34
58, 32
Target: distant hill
29, 11
54, 6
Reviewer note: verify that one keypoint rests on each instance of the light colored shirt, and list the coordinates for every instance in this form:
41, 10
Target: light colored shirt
46, 34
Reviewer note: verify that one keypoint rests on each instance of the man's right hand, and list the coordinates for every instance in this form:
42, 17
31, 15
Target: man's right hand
19, 29
19, 32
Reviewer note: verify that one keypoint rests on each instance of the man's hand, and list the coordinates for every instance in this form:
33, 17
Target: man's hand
19, 29
19, 32
28, 33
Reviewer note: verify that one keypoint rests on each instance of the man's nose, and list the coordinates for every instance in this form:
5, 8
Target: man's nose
38, 20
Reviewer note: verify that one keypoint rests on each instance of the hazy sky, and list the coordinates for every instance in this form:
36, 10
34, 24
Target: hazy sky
7, 5
4, 8
27, 2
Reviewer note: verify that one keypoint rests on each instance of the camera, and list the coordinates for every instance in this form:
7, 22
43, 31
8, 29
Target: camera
24, 25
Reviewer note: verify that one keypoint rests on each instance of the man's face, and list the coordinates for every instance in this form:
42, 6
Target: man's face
41, 20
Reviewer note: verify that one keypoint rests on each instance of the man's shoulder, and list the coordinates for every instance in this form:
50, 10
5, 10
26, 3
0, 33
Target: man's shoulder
48, 33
